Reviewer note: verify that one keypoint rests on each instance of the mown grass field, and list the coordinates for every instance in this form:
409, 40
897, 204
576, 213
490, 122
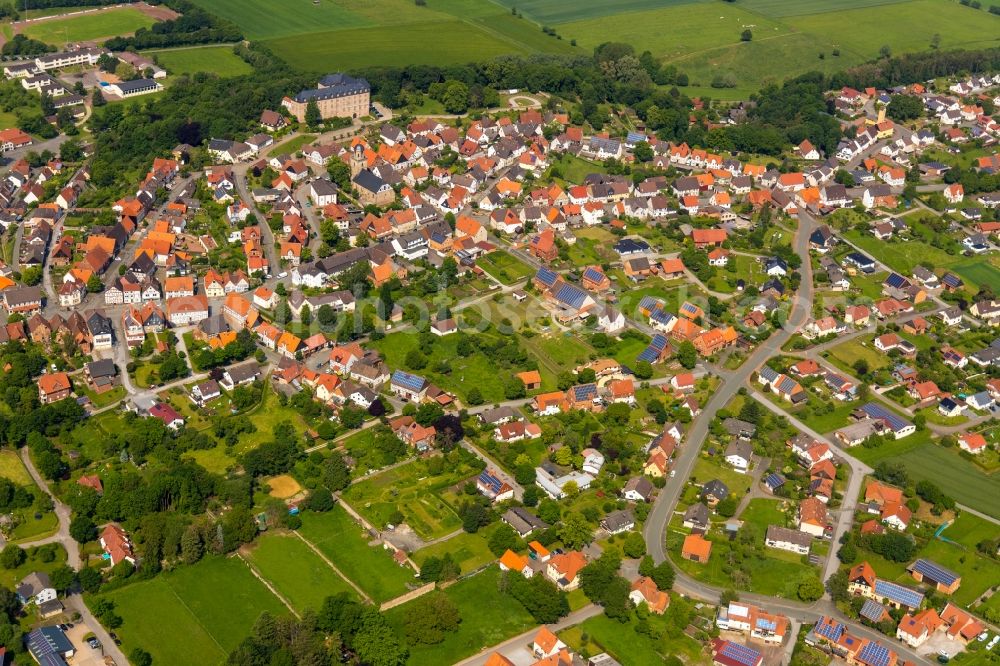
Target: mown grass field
90, 26
186, 606
219, 60
338, 537
12, 469
297, 573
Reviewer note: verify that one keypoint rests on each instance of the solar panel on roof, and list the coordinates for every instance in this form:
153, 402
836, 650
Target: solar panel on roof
407, 381
741, 653
874, 654
659, 342
593, 274
768, 625
774, 480
829, 629
877, 411
898, 593
935, 572
546, 276
571, 295
873, 610
661, 317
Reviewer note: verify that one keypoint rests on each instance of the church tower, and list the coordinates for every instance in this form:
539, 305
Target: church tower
358, 161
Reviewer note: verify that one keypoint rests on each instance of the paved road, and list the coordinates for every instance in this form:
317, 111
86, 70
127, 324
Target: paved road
74, 602
663, 506
845, 513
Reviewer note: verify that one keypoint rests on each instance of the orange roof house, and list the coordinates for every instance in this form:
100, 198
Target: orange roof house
705, 237
531, 378
696, 548
879, 493
644, 590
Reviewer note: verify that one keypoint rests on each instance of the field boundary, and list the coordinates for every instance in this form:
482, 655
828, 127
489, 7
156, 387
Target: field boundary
267, 583
313, 548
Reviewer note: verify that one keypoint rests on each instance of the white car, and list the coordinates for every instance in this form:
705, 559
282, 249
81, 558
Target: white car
983, 636
993, 642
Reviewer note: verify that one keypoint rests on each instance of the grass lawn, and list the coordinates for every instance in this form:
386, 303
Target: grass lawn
901, 256
13, 469
574, 169
9, 578
89, 27
847, 353
838, 418
505, 267
978, 573
770, 571
338, 537
470, 551
298, 573
99, 400
36, 525
186, 604
292, 145
705, 470
488, 618
214, 460
219, 60
414, 493
627, 645
466, 371
265, 416
956, 476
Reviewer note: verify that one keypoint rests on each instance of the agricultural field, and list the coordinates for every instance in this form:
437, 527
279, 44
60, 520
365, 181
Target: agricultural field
338, 537
701, 37
338, 34
88, 27
219, 60
185, 603
296, 572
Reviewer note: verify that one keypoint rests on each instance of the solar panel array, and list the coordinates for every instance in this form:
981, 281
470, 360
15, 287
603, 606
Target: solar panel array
491, 481
584, 392
873, 610
690, 308
875, 654
774, 480
661, 317
898, 593
829, 628
546, 276
650, 303
767, 373
877, 411
651, 354
593, 274
741, 654
896, 280
935, 572
766, 624
43, 649
571, 295
408, 381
